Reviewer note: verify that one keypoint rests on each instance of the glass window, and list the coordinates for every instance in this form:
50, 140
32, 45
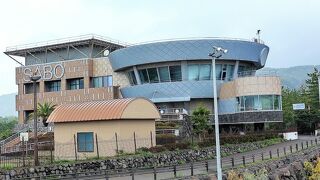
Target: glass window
218, 71
143, 76
96, 82
107, 81
73, 84
164, 74
153, 75
175, 73
193, 72
102, 81
204, 71
85, 141
52, 86
230, 69
266, 102
276, 102
132, 78
28, 88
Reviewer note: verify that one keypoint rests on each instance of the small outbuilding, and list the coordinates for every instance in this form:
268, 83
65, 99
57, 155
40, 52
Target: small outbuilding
103, 128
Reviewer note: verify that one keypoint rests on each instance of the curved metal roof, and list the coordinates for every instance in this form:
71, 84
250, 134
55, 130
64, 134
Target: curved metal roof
192, 49
99, 110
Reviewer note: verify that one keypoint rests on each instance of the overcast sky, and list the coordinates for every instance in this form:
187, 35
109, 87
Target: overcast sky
289, 27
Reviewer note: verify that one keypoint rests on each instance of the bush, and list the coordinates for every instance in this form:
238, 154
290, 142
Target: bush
165, 138
174, 146
157, 149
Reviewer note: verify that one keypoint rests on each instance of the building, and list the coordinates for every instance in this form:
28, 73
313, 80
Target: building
103, 128
174, 74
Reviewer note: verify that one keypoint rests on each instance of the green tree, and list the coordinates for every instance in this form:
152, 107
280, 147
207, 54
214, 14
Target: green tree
43, 111
308, 120
6, 126
200, 120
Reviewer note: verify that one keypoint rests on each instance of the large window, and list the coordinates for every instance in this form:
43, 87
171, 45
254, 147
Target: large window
164, 74
132, 78
73, 84
143, 74
153, 75
85, 141
28, 88
175, 73
259, 102
102, 81
204, 71
193, 72
52, 86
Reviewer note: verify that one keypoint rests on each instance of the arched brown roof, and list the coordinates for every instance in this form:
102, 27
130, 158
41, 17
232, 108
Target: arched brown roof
131, 108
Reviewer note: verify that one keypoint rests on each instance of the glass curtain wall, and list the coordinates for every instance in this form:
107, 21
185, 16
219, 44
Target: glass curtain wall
259, 102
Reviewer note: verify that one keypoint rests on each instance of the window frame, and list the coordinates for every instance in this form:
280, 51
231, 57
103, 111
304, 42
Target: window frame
85, 143
70, 83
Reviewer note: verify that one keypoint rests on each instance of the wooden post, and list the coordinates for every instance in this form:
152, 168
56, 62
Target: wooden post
191, 169
253, 158
307, 144
23, 155
97, 145
301, 145
154, 173
75, 147
278, 152
135, 142
117, 143
297, 148
270, 153
285, 151
207, 166
51, 151
262, 158
290, 149
232, 161
244, 160
151, 139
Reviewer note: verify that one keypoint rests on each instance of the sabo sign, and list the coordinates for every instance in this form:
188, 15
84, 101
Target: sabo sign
46, 72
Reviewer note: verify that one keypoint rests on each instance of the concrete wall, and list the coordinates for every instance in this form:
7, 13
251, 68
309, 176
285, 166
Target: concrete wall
105, 130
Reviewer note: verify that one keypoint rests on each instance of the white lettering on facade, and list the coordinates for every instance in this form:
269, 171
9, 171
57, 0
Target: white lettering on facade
46, 72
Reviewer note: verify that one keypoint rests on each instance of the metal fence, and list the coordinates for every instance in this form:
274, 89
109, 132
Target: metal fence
189, 168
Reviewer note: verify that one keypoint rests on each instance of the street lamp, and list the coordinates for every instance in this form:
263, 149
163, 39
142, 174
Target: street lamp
34, 79
217, 53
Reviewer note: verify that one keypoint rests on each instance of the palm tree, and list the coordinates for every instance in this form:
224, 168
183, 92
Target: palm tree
43, 111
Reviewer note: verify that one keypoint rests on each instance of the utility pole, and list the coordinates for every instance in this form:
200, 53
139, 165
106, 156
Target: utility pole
34, 79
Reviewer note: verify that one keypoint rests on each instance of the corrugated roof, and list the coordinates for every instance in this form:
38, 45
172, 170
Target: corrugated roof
93, 111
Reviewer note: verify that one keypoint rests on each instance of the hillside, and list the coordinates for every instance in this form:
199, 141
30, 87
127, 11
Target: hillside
292, 77
7, 105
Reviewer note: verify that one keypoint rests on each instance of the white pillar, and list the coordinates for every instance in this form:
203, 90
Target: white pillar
216, 120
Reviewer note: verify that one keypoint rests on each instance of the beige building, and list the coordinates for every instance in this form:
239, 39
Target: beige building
103, 128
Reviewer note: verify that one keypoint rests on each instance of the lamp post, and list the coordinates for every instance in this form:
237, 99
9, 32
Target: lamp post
34, 79
217, 53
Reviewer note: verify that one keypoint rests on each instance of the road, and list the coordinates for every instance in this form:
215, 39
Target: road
273, 151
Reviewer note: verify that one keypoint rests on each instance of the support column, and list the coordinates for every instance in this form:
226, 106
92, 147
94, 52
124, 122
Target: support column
184, 71
235, 72
136, 74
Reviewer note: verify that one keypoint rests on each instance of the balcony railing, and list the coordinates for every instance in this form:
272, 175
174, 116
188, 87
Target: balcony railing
261, 73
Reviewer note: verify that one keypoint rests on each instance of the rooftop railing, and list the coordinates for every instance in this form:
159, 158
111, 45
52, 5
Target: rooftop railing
66, 40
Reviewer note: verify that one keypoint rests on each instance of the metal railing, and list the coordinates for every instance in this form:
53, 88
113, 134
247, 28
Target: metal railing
187, 169
66, 40
257, 73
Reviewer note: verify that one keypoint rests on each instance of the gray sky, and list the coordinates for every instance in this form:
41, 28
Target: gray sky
289, 27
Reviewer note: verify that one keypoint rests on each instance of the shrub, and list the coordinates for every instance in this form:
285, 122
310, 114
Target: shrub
157, 149
174, 146
165, 138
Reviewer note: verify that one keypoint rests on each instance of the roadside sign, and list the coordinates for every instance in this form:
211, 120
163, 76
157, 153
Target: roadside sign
24, 137
298, 106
